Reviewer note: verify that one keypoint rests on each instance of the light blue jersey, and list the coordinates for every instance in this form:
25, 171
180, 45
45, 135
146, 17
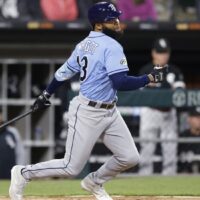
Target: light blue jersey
97, 57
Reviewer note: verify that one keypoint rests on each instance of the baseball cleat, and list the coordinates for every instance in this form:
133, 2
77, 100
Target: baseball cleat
18, 182
97, 190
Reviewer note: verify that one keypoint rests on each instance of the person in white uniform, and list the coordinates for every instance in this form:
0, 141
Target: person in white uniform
102, 65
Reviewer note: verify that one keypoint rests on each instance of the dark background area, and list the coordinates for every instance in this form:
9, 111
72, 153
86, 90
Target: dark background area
32, 34
58, 43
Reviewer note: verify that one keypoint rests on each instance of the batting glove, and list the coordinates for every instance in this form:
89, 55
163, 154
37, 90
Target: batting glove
159, 73
42, 101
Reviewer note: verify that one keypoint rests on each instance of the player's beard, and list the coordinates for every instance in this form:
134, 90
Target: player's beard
113, 34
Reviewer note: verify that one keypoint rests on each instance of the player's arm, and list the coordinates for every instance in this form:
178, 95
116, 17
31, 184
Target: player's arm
121, 81
117, 67
65, 72
62, 74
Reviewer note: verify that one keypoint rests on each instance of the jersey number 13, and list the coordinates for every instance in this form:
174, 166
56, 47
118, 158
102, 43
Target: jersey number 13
83, 63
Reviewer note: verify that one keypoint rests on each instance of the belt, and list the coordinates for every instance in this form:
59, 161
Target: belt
103, 105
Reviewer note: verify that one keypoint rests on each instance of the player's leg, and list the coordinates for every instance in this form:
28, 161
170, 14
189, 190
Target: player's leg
125, 155
149, 120
169, 148
84, 130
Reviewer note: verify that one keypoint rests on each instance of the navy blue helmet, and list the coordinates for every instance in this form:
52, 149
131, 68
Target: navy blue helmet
103, 12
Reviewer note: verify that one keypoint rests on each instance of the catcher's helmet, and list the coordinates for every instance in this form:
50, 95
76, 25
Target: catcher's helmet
103, 12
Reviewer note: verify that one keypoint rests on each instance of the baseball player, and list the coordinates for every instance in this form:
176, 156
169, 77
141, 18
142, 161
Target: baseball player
103, 68
160, 122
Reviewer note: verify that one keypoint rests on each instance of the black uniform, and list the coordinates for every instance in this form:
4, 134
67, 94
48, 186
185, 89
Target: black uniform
174, 75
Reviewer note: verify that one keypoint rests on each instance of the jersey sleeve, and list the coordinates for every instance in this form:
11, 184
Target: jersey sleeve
115, 60
64, 72
72, 62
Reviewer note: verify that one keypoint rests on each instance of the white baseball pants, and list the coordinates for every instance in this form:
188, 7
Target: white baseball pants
86, 125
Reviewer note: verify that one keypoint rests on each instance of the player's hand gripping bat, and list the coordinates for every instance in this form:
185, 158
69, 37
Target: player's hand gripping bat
40, 103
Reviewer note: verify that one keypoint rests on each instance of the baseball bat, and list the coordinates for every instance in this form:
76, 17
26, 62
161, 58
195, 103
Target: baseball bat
16, 118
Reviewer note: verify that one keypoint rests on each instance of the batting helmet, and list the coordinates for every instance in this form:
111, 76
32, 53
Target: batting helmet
103, 12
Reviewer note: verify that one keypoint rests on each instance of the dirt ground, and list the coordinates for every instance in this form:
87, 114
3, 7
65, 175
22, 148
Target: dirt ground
114, 198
